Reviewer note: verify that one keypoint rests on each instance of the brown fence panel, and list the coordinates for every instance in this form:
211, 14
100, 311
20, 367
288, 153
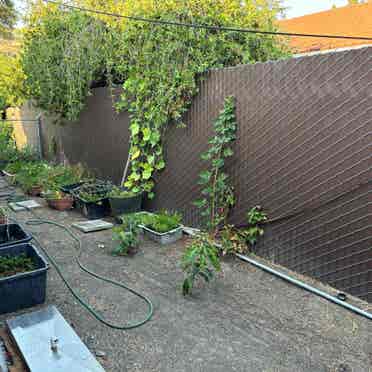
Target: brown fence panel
304, 139
304, 144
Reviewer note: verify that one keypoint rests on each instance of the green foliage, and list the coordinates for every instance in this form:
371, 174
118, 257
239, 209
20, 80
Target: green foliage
127, 234
118, 192
8, 17
7, 144
162, 222
234, 240
94, 191
62, 54
10, 265
158, 66
218, 195
62, 175
200, 260
32, 175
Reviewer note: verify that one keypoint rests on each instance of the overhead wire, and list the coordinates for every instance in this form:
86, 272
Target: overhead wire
204, 26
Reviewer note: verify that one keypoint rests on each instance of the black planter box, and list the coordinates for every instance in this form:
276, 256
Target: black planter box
12, 234
23, 290
93, 211
121, 206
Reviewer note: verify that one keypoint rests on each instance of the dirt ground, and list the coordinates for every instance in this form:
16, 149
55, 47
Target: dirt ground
247, 320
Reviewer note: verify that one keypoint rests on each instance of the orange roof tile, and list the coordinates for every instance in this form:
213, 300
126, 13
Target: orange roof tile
351, 20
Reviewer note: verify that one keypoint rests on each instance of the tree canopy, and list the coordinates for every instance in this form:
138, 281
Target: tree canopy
157, 66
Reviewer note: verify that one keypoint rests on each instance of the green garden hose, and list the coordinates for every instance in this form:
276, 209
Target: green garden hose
37, 222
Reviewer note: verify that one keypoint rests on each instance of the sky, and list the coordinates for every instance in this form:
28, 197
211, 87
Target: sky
298, 8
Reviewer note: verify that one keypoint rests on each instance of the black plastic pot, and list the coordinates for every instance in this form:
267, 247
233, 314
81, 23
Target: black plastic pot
121, 206
23, 290
12, 234
93, 211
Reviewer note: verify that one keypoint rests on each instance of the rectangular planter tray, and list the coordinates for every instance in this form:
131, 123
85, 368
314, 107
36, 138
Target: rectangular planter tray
93, 211
23, 290
12, 234
164, 238
67, 189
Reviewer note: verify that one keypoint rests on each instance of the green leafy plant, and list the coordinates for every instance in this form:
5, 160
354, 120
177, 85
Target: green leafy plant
11, 265
94, 191
201, 259
162, 222
32, 175
158, 67
118, 192
256, 217
127, 234
234, 240
218, 195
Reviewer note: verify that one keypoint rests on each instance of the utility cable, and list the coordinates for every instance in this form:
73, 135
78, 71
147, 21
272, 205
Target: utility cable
204, 26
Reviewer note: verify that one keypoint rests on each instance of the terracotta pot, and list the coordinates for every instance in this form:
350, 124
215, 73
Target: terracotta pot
35, 191
63, 204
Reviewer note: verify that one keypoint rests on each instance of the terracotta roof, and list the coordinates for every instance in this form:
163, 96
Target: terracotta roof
351, 20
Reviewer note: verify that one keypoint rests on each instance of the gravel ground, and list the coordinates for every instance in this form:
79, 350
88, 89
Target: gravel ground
247, 320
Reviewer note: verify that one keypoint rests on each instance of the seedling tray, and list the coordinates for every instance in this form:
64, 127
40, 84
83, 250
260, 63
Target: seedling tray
68, 189
27, 289
12, 234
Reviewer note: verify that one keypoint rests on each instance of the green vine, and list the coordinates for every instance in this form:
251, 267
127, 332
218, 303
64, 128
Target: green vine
218, 195
157, 66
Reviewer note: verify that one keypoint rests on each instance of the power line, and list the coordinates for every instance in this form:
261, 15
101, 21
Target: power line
207, 27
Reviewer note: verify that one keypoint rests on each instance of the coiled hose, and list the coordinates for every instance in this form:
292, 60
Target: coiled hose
37, 222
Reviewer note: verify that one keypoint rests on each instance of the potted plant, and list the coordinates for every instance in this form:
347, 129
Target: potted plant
58, 200
163, 228
22, 278
92, 199
127, 235
123, 201
32, 176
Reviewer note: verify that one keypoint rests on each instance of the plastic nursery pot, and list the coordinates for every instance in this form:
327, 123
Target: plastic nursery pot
93, 210
13, 234
26, 289
64, 204
35, 191
121, 206
163, 238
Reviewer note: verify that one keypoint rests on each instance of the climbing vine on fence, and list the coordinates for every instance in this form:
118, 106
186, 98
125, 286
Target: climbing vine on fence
158, 66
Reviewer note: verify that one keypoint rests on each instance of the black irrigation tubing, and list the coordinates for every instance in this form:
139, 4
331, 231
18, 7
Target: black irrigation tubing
203, 26
311, 209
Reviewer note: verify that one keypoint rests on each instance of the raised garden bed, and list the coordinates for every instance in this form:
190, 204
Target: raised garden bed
168, 237
12, 234
23, 288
